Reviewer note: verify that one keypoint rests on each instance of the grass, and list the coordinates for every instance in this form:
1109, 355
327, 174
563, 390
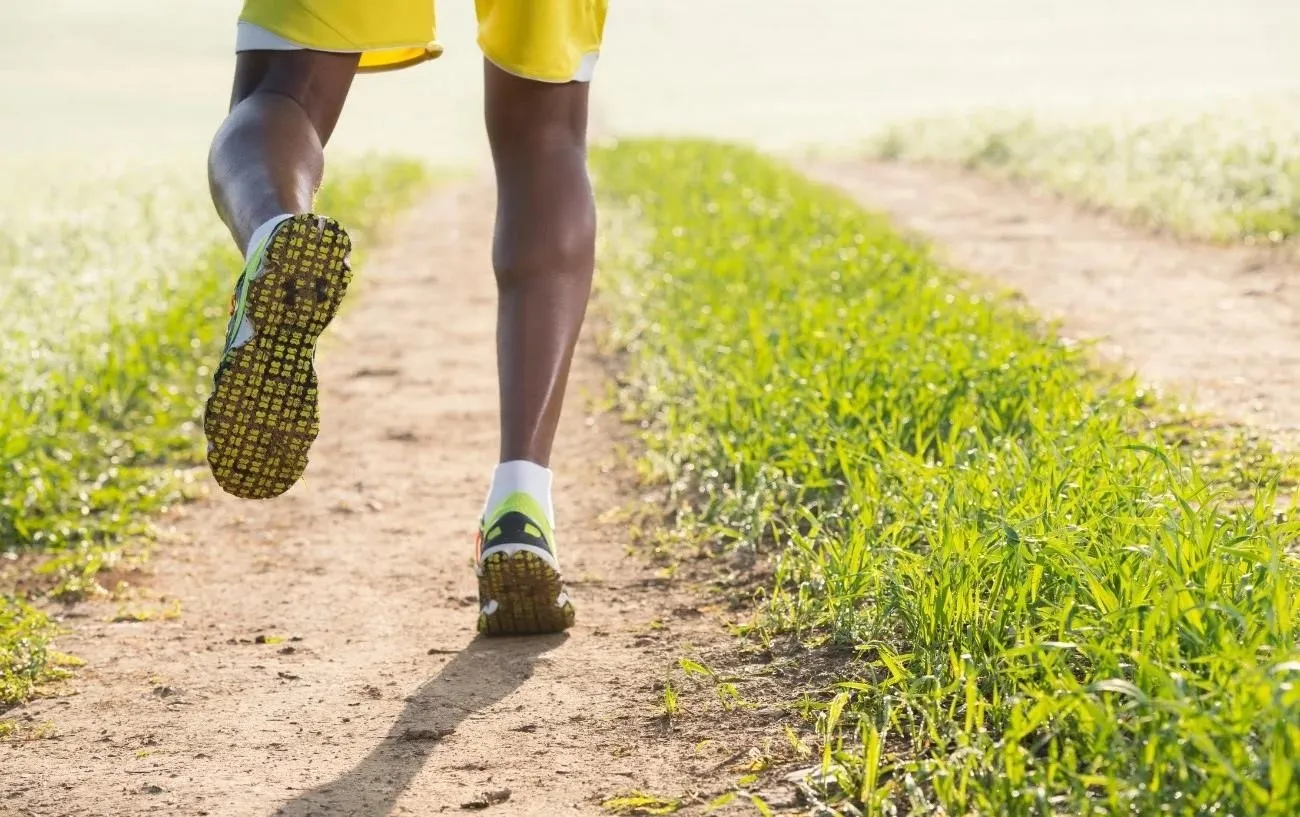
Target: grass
639, 803
1223, 175
24, 655
121, 286
1046, 605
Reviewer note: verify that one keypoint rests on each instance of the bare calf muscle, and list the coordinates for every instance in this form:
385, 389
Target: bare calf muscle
543, 250
268, 156
295, 66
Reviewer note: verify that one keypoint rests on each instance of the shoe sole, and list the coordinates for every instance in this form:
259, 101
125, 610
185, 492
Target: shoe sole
527, 591
264, 414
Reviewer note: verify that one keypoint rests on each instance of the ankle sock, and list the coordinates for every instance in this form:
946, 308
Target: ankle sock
521, 476
263, 232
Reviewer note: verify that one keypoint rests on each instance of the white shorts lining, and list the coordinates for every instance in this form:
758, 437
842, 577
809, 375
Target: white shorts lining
252, 37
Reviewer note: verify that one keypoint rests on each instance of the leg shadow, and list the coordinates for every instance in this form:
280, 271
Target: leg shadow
479, 676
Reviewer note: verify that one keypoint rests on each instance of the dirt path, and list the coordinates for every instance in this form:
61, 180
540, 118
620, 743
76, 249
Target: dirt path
379, 700
1217, 325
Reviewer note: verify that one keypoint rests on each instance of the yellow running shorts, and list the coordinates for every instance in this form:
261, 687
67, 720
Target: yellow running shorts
547, 40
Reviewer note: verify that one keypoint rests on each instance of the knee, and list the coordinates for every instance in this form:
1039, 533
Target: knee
519, 151
546, 220
311, 84
546, 249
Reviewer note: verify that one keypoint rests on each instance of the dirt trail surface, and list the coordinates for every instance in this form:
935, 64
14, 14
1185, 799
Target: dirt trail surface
379, 699
1217, 325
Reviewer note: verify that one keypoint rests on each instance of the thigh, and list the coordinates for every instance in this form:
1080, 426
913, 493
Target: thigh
317, 80
551, 41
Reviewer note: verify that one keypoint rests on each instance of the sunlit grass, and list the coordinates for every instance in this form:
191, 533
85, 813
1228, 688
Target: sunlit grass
24, 655
116, 288
1050, 608
1228, 174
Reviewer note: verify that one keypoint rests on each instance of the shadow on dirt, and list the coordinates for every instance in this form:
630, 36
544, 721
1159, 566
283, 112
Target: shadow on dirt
479, 676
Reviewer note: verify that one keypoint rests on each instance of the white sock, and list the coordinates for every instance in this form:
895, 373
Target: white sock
263, 232
521, 475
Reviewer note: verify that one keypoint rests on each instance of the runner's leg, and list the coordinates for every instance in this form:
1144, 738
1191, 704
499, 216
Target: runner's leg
267, 158
543, 250
543, 253
265, 165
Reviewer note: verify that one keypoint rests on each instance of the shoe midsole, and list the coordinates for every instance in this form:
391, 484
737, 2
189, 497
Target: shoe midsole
511, 549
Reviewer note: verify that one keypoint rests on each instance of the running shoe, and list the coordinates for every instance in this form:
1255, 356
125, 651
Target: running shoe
263, 414
520, 590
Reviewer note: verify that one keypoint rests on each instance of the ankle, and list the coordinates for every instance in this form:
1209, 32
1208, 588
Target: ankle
264, 231
521, 476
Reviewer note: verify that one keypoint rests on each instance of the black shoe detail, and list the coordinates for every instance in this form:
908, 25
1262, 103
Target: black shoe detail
515, 528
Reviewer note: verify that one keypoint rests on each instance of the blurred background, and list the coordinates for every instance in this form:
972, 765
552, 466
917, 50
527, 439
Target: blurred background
146, 77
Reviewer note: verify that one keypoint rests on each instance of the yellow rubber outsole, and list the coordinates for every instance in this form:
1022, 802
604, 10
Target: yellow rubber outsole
264, 414
529, 594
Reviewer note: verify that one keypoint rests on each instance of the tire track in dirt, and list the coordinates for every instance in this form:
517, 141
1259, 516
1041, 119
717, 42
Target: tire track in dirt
379, 700
1216, 325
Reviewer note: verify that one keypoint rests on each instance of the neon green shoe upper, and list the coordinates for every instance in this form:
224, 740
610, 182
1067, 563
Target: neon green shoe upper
518, 523
239, 300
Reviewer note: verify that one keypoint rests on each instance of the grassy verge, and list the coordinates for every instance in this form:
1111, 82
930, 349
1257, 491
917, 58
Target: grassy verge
1039, 602
121, 288
1223, 175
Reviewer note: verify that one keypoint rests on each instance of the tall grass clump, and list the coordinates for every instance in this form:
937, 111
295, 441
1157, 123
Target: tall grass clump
1223, 175
116, 291
1047, 609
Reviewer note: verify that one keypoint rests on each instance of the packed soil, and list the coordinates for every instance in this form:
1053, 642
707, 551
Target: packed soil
316, 655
